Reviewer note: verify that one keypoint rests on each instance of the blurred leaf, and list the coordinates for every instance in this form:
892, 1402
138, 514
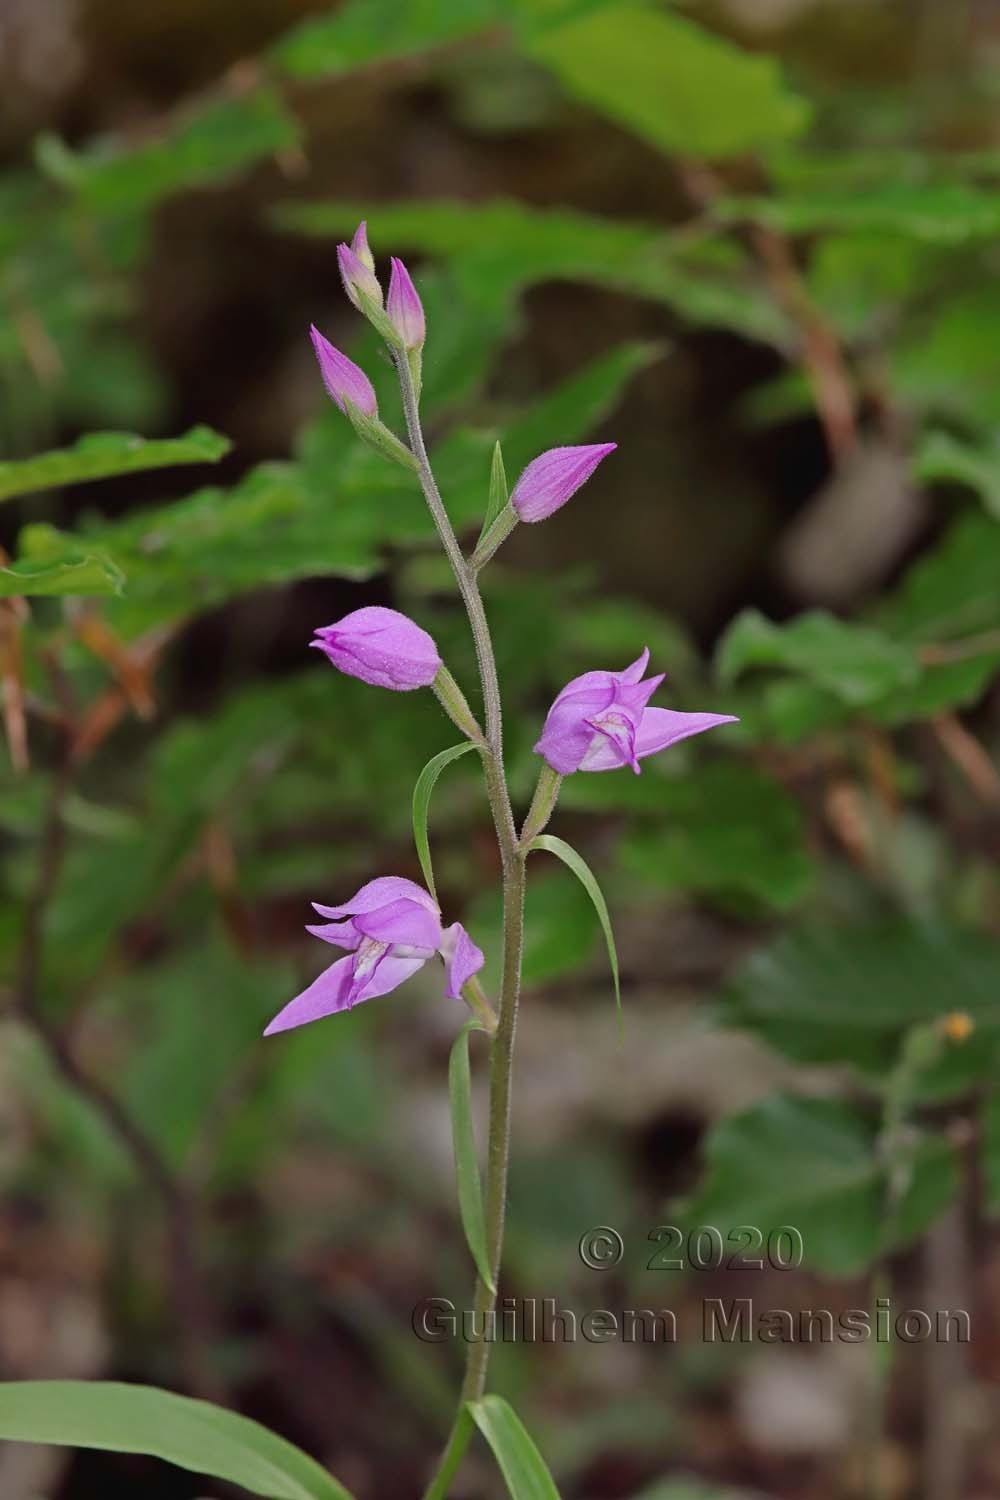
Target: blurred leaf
77, 573
813, 1164
946, 363
943, 457
849, 995
951, 592
677, 86
578, 865
422, 793
508, 246
191, 1434
948, 213
855, 662
723, 830
210, 145
371, 31
102, 454
470, 1193
519, 1461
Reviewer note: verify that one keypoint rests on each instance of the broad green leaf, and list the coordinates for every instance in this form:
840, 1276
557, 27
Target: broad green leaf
943, 457
78, 574
518, 1459
510, 246
677, 86
470, 1194
575, 862
849, 994
946, 364
139, 1419
814, 1164
363, 32
498, 491
946, 213
951, 592
854, 662
724, 830
213, 144
102, 454
422, 792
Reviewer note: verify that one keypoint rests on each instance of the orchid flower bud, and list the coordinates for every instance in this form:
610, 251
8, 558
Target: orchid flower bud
390, 928
406, 313
550, 480
344, 380
360, 281
359, 244
601, 721
382, 647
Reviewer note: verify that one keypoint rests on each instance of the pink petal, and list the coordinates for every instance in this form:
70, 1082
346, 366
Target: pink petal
380, 892
344, 380
389, 973
661, 727
406, 312
341, 934
638, 667
551, 478
382, 647
405, 923
462, 959
357, 277
330, 993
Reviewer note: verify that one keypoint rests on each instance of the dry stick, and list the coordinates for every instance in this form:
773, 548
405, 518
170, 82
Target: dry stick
187, 1293
512, 860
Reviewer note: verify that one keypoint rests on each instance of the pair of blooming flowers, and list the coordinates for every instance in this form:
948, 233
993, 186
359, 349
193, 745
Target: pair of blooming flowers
599, 722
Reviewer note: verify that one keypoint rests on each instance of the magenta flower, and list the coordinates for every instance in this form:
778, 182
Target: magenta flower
382, 647
552, 477
344, 380
600, 722
406, 312
357, 276
390, 929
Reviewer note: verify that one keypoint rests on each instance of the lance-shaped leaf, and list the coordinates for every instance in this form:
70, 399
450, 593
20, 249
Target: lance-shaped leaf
101, 455
498, 490
140, 1419
585, 876
426, 782
77, 574
522, 1466
470, 1195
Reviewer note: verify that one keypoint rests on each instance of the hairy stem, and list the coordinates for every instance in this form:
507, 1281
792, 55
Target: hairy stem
512, 865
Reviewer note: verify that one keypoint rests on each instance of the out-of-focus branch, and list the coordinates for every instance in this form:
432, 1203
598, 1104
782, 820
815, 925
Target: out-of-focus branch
819, 348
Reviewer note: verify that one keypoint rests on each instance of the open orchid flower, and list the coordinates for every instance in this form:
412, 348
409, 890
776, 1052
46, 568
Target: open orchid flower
389, 929
601, 721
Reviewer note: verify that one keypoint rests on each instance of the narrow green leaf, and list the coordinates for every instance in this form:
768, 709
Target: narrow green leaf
470, 1196
498, 491
585, 875
77, 575
426, 782
522, 1466
100, 455
140, 1419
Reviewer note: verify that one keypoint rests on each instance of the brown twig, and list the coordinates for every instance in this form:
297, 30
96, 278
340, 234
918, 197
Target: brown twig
969, 756
822, 357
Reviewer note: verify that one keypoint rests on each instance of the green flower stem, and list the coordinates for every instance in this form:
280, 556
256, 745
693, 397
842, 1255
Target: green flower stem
512, 865
455, 705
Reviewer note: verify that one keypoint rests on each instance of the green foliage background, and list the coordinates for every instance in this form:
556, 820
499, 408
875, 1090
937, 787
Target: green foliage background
762, 257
